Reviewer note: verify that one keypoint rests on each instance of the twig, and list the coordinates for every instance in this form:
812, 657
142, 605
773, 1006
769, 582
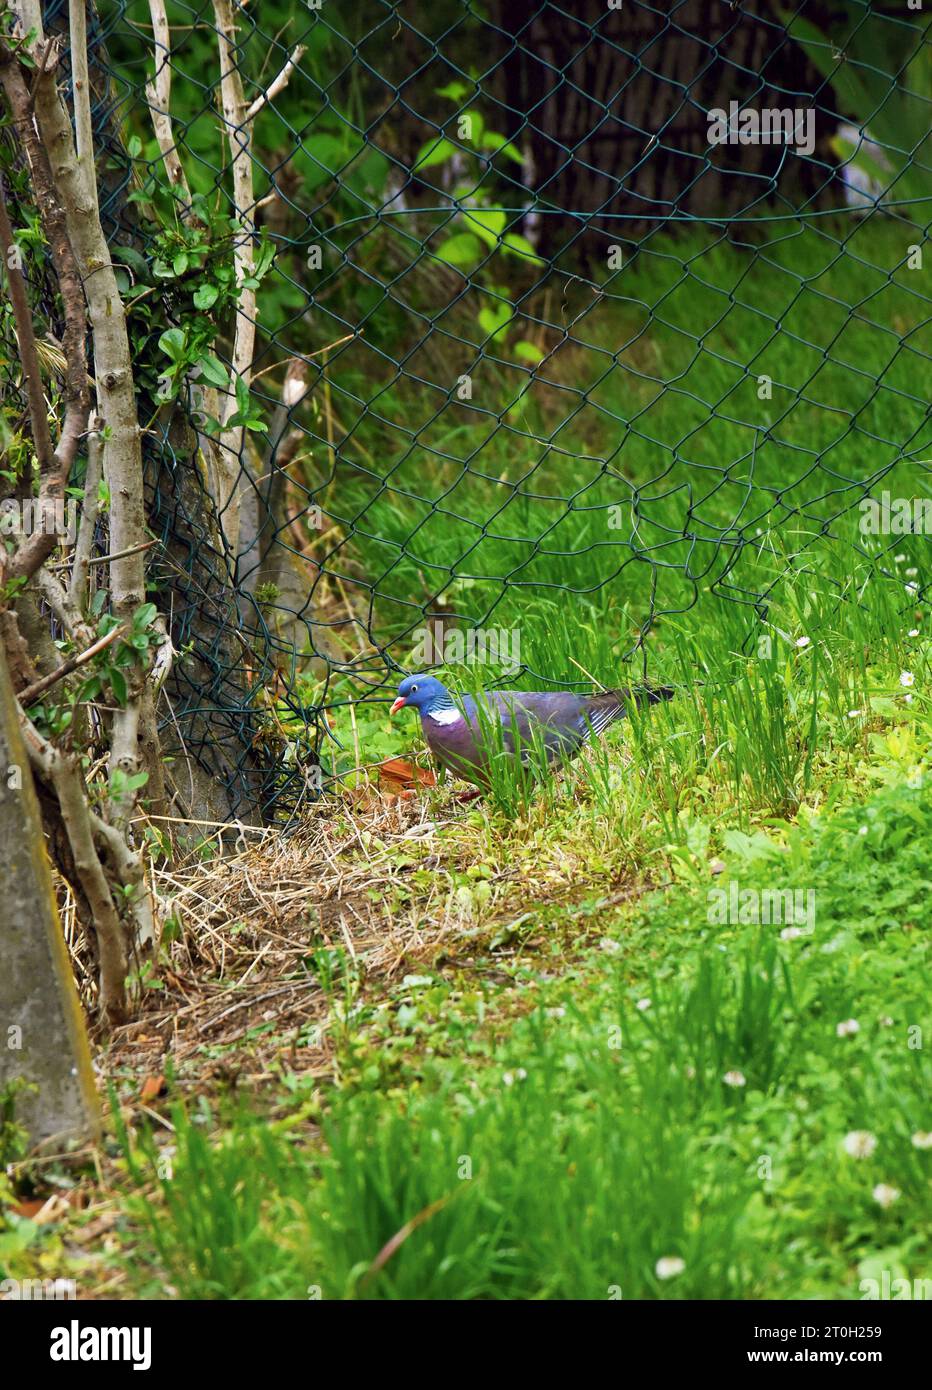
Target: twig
238, 117
122, 554
27, 696
158, 99
278, 84
54, 466
77, 587
48, 47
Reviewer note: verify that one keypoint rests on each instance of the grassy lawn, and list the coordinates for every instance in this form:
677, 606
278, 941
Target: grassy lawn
678, 1091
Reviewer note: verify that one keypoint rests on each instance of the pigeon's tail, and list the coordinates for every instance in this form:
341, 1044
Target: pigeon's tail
614, 704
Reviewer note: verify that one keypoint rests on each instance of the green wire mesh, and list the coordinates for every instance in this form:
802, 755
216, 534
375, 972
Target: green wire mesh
557, 345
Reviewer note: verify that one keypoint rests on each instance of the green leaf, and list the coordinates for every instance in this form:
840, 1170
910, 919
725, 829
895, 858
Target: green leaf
528, 352
118, 685
434, 152
144, 615
180, 263
131, 257
206, 296
455, 91
212, 370
488, 223
478, 127
491, 140
494, 320
264, 259
459, 250
173, 343
520, 246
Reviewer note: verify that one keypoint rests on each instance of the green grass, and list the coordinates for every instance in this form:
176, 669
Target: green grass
650, 406
518, 1126
724, 555
563, 1153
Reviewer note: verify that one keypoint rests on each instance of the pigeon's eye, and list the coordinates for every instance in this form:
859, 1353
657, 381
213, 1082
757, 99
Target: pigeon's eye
414, 690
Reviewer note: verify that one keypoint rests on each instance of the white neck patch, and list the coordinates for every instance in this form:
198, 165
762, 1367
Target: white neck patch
445, 716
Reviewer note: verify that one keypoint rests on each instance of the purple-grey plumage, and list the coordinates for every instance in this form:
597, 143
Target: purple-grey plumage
463, 736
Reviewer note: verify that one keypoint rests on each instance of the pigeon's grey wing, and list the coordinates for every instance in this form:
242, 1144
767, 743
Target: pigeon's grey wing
557, 719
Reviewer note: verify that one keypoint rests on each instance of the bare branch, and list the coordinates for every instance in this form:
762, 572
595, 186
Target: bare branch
32, 692
158, 98
26, 338
67, 613
54, 467
80, 86
77, 588
239, 139
278, 85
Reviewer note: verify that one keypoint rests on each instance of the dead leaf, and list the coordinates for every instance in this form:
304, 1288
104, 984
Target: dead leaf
44, 1209
152, 1088
398, 777
29, 1209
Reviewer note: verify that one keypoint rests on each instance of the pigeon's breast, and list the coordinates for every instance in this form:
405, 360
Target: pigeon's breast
451, 739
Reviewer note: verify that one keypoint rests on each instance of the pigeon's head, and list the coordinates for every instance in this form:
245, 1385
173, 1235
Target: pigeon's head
423, 693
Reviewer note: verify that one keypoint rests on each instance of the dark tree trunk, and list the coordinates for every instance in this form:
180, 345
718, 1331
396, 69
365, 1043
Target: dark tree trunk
611, 106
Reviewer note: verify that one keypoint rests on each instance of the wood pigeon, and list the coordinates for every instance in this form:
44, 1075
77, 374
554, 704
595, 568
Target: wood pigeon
462, 735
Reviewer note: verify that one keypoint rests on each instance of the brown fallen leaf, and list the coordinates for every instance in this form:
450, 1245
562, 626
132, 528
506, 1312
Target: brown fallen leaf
29, 1209
398, 777
152, 1088
42, 1210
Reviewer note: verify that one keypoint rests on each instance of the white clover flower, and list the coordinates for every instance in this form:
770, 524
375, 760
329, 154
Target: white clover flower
802, 642
907, 699
898, 559
911, 572
860, 1143
907, 678
913, 632
886, 1195
855, 713
735, 1078
669, 1267
508, 1079
557, 1011
643, 1005
922, 1139
607, 944
790, 933
848, 1028
912, 588
862, 829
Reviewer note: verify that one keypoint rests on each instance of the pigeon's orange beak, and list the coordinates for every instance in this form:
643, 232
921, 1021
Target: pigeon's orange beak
399, 704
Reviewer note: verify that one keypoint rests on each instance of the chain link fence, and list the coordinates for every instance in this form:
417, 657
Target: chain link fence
594, 312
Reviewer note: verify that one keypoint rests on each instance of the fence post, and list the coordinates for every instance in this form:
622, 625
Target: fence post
42, 1034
